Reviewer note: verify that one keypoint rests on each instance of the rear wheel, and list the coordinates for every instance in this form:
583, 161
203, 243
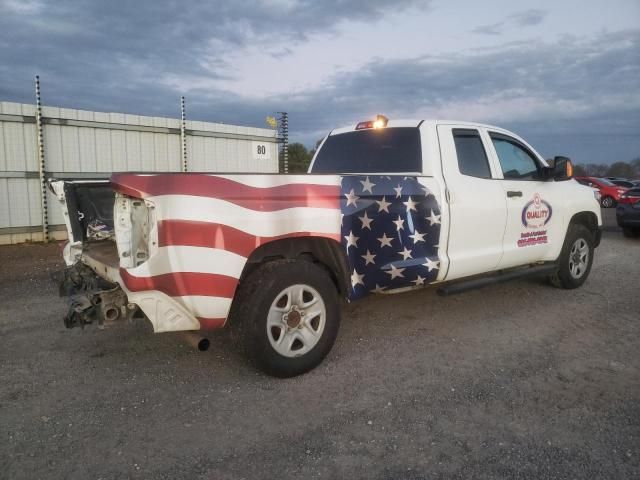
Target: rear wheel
287, 316
576, 258
607, 202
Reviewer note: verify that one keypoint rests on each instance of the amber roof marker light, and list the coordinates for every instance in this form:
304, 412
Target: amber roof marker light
380, 122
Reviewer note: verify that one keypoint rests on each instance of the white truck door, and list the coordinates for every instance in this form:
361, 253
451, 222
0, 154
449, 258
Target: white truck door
534, 207
476, 202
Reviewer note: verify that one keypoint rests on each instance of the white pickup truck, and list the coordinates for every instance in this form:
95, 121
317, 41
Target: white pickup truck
387, 206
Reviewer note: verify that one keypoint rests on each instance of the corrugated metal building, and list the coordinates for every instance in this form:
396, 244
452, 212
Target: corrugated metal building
82, 144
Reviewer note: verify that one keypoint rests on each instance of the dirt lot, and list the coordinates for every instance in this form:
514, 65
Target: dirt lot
518, 380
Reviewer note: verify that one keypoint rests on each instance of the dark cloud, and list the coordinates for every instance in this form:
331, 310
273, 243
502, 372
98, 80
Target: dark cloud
75, 41
569, 88
283, 52
528, 18
491, 29
569, 79
525, 18
112, 57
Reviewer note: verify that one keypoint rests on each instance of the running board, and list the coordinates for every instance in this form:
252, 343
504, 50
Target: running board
464, 285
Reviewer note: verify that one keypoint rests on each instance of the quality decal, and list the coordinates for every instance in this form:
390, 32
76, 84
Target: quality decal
535, 215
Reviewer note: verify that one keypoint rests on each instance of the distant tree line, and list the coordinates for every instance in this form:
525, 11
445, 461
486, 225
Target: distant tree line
618, 169
300, 158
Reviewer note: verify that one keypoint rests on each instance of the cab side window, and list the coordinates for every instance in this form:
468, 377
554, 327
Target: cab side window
516, 161
472, 158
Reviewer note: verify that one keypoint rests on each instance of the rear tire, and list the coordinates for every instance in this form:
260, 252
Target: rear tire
608, 202
576, 258
286, 316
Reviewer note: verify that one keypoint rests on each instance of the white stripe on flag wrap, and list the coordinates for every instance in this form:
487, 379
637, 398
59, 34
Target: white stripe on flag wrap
182, 258
266, 181
207, 307
260, 224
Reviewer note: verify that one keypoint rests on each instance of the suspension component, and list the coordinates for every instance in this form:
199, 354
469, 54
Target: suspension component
92, 299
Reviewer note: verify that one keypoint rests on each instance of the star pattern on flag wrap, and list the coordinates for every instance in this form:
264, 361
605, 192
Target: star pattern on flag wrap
390, 230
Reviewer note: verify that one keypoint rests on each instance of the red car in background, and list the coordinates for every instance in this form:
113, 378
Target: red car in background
609, 192
631, 196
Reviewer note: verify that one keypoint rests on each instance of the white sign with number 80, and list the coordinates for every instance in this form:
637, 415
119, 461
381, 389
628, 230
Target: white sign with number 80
261, 151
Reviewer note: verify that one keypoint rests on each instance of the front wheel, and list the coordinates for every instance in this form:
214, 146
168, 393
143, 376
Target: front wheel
287, 316
576, 258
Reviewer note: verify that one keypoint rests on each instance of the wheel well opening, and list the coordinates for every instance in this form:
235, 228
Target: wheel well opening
325, 252
588, 219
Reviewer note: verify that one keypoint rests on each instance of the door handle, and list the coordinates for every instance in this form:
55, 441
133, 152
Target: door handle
513, 193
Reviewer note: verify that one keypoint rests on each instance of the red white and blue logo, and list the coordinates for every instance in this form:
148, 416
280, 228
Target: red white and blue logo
536, 213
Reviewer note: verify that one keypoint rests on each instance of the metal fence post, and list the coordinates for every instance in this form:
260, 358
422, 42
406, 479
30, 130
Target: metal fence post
183, 137
284, 133
41, 164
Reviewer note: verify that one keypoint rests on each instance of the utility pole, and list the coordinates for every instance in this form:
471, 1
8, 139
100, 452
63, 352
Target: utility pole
41, 164
283, 130
183, 137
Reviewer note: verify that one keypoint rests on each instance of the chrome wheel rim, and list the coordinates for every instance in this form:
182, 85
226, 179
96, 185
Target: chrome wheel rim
579, 258
607, 202
296, 320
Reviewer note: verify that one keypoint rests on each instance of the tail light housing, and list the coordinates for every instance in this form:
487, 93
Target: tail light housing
136, 230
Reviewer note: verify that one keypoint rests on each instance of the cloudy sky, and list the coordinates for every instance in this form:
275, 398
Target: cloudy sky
565, 74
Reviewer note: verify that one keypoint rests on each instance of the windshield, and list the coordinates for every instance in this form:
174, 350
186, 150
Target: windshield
384, 150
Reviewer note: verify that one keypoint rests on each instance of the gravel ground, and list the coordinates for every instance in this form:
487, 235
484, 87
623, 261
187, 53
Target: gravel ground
518, 380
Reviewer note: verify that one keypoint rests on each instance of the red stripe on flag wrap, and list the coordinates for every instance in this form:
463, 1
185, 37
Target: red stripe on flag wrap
216, 235
179, 284
267, 199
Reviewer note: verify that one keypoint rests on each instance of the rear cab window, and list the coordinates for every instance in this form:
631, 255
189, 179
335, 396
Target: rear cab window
472, 158
383, 150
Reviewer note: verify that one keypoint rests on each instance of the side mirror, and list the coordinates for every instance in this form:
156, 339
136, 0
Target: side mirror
560, 168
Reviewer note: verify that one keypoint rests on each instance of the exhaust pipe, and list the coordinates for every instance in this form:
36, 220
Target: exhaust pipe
111, 314
197, 341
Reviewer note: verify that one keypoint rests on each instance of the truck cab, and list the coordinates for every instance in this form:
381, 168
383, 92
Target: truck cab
500, 203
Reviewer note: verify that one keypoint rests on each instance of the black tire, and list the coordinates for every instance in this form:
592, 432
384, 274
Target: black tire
631, 232
253, 302
564, 278
608, 202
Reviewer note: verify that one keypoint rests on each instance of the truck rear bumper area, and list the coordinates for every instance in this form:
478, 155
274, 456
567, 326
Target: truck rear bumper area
93, 299
110, 235
99, 296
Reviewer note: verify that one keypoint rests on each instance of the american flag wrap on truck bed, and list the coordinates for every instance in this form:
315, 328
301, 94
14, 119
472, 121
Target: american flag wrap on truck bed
208, 225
